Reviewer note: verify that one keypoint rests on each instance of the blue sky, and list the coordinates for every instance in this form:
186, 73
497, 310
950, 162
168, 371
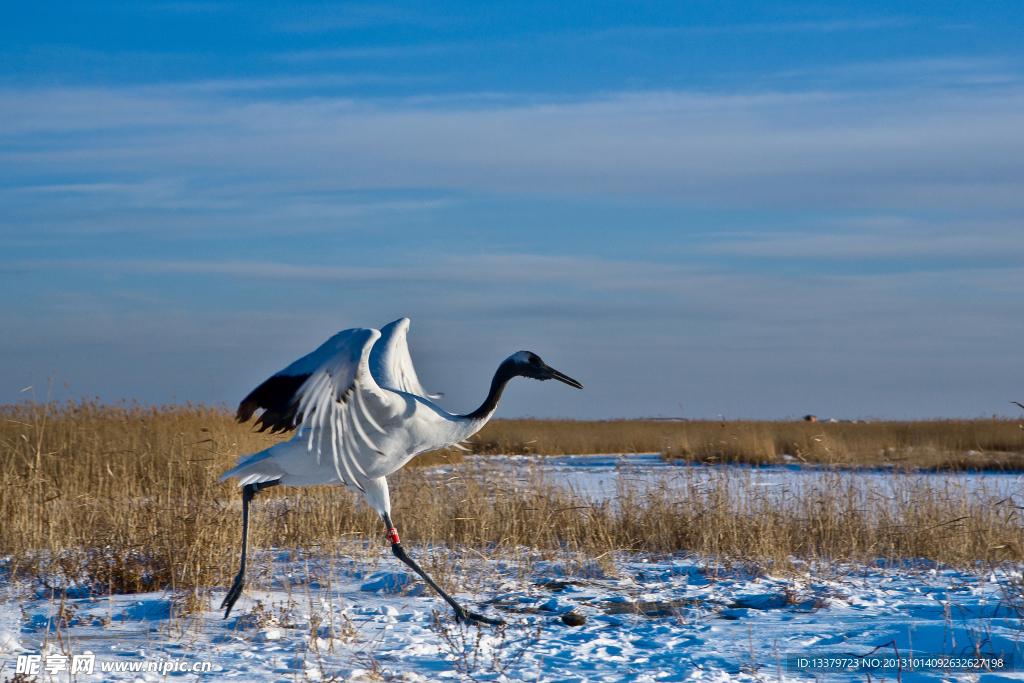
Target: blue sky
747, 210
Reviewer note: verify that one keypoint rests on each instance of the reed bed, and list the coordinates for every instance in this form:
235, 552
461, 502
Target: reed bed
124, 498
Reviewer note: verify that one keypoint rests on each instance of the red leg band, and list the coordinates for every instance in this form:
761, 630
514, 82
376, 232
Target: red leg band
393, 535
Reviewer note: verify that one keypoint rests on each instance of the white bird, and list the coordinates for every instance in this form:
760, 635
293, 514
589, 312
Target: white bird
360, 414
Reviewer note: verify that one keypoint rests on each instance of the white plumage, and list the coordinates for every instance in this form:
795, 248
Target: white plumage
360, 414
363, 417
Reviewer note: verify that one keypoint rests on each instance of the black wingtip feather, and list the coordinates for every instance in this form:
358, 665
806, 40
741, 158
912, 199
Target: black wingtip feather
245, 409
278, 396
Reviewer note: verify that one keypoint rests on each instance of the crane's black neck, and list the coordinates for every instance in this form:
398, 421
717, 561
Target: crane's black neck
506, 371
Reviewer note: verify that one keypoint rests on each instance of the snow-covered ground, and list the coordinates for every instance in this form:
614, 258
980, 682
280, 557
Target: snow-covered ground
361, 617
672, 620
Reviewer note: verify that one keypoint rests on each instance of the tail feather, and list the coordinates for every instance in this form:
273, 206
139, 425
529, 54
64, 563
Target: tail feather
254, 470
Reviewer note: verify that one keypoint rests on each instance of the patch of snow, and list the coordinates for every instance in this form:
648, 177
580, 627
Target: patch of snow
661, 624
10, 626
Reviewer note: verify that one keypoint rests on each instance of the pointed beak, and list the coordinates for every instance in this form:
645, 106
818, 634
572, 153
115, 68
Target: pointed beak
555, 374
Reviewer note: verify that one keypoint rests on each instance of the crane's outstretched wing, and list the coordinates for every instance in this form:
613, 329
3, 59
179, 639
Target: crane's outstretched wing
328, 395
391, 364
278, 396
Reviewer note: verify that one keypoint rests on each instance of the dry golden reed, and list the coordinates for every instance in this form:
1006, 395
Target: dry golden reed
125, 498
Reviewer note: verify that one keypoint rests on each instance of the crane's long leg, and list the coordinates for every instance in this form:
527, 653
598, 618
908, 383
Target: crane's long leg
249, 492
399, 552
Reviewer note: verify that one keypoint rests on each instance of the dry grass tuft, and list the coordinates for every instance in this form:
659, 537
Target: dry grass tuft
124, 498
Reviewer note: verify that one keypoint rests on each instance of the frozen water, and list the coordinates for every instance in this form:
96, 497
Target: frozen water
596, 476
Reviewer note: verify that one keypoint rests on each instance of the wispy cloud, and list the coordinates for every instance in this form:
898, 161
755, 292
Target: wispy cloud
913, 73
964, 242
632, 279
475, 269
190, 7
832, 26
329, 18
377, 52
935, 149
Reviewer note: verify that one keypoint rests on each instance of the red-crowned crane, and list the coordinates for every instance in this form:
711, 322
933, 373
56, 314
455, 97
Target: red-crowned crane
359, 414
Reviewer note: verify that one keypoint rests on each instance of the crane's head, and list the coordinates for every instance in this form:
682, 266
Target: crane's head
529, 364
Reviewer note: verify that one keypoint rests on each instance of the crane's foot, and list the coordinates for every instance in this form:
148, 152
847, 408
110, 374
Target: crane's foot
233, 594
462, 614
